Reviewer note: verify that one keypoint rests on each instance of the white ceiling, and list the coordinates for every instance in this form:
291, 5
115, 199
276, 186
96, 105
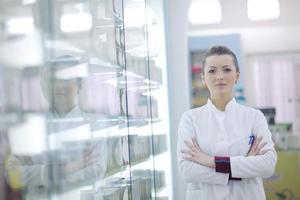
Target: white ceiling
282, 35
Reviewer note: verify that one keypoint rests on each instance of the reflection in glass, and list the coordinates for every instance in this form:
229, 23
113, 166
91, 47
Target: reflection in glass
20, 25
75, 17
70, 157
76, 103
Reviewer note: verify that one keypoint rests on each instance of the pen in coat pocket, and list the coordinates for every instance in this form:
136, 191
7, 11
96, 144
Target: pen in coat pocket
251, 139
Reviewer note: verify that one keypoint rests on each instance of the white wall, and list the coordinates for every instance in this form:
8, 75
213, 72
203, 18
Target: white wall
234, 15
261, 40
258, 37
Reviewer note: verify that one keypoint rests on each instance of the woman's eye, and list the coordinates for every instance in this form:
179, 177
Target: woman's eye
228, 70
211, 71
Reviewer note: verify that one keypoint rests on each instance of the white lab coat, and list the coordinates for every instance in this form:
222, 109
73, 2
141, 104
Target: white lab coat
37, 176
226, 134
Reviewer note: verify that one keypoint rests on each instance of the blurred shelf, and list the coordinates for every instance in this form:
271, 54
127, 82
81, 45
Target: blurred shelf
11, 119
116, 172
101, 129
199, 101
107, 22
94, 124
104, 68
144, 130
123, 171
138, 122
132, 81
81, 128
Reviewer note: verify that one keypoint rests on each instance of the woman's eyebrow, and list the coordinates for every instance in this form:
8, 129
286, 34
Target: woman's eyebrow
225, 66
217, 67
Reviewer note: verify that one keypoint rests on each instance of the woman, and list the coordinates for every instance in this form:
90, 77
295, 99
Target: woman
224, 149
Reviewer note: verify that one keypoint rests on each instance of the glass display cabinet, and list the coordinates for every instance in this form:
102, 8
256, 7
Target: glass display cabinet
83, 100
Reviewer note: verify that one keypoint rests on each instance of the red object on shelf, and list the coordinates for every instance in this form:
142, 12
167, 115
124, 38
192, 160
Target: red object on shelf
196, 69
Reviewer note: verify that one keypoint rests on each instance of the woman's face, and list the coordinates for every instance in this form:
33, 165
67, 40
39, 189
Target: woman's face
59, 91
220, 74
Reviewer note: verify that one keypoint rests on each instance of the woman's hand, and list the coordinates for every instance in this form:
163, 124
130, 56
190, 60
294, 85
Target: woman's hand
256, 147
195, 154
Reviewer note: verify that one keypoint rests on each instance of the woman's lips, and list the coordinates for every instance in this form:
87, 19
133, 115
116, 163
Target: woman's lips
220, 84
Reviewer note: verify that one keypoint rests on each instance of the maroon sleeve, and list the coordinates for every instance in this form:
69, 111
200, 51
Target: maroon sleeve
223, 166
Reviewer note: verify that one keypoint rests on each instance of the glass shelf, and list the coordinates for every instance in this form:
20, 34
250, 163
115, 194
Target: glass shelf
83, 104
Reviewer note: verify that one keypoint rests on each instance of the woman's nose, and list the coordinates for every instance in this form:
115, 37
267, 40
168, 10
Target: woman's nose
220, 75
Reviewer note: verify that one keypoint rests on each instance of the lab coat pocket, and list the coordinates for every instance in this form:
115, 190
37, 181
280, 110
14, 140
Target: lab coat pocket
194, 192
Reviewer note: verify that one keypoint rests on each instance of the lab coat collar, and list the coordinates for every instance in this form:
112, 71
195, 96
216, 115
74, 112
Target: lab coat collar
228, 108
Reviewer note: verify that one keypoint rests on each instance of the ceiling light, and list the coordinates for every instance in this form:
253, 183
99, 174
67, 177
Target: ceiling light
28, 2
205, 12
259, 10
21, 25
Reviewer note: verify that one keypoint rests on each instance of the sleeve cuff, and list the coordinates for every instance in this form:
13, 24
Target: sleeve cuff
223, 166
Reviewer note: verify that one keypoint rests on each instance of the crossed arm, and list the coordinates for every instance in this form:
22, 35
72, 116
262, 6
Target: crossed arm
28, 171
195, 165
195, 153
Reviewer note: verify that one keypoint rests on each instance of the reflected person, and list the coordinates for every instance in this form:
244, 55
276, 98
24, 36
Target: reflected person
73, 156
